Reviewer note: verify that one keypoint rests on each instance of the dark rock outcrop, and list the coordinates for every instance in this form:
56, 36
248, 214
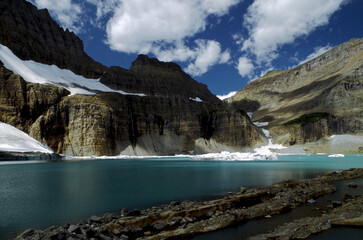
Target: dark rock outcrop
149, 75
33, 35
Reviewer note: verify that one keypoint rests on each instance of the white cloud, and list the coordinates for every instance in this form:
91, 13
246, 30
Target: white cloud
317, 52
274, 23
103, 8
245, 66
163, 27
207, 54
68, 13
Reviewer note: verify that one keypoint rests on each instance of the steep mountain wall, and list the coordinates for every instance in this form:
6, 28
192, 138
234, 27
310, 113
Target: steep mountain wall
331, 83
111, 123
168, 120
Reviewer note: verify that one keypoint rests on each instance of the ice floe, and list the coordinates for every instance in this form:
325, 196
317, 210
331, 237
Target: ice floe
336, 155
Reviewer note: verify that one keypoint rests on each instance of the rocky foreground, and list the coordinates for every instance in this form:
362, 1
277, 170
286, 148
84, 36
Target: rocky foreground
188, 218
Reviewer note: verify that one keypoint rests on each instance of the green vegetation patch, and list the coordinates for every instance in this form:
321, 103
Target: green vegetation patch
309, 118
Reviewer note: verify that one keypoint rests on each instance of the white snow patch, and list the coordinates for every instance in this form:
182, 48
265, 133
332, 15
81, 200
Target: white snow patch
250, 114
261, 124
35, 72
197, 99
14, 140
336, 155
231, 94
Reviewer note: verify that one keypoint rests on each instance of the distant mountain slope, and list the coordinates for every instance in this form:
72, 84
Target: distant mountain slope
316, 99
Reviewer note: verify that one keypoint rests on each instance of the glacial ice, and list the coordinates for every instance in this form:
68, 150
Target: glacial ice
35, 72
14, 140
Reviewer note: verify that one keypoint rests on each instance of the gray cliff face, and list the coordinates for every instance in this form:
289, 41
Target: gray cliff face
109, 124
33, 35
331, 83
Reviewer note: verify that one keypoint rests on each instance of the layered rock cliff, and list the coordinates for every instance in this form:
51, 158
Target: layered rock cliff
314, 100
177, 115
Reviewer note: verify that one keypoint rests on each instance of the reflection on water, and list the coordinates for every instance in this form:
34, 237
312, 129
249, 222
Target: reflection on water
41, 195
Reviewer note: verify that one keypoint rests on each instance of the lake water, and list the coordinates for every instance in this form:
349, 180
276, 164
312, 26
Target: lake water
38, 195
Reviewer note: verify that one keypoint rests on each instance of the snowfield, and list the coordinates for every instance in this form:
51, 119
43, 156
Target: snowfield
35, 72
14, 140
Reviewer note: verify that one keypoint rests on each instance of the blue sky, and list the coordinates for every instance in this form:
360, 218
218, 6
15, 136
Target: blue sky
224, 44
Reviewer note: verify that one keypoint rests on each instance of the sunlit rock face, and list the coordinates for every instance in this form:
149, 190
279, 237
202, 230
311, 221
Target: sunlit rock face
309, 102
111, 124
175, 115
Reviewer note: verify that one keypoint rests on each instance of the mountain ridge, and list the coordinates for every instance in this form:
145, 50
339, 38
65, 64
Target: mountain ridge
166, 120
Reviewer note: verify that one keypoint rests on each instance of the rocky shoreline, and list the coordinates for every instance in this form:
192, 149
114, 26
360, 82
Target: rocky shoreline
25, 156
189, 218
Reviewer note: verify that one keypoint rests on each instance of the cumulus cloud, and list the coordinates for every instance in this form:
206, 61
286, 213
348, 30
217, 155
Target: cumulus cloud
245, 66
68, 13
317, 52
103, 9
163, 27
273, 23
207, 54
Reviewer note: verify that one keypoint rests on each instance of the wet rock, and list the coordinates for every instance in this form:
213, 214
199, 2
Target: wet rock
347, 197
358, 221
352, 185
311, 201
242, 189
74, 229
158, 226
95, 219
25, 234
336, 204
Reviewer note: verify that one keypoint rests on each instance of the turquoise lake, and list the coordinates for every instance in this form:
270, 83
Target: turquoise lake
38, 195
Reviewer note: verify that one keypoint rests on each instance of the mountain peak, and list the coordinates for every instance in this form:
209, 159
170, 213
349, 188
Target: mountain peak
144, 63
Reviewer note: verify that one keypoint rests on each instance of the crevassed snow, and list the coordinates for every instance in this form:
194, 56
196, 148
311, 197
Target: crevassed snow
197, 99
336, 155
231, 94
14, 140
236, 156
50, 74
